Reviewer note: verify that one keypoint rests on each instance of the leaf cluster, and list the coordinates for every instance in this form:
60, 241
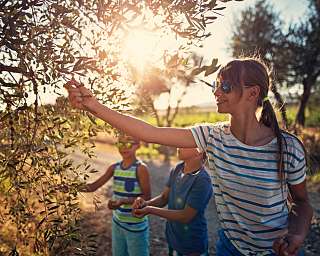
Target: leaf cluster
43, 44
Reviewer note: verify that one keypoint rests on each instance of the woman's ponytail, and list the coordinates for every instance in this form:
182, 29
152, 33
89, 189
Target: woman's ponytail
268, 118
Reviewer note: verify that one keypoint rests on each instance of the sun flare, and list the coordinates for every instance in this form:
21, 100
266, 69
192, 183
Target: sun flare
140, 48
143, 48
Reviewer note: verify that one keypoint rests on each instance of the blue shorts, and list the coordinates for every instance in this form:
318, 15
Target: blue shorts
225, 248
129, 243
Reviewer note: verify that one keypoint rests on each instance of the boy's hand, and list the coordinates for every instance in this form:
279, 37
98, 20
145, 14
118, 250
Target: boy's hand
288, 245
114, 204
140, 213
79, 96
139, 203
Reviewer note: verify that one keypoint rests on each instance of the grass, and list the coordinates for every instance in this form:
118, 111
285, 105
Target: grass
191, 116
315, 178
312, 115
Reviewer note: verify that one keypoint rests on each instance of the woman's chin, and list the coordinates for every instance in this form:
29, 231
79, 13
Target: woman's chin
222, 110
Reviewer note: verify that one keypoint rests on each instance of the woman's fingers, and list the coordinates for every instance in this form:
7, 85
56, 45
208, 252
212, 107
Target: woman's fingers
280, 246
85, 92
78, 95
72, 84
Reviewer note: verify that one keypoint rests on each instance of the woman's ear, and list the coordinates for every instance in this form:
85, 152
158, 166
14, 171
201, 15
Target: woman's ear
254, 93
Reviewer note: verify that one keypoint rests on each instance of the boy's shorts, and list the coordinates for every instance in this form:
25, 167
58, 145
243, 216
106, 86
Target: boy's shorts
129, 243
172, 252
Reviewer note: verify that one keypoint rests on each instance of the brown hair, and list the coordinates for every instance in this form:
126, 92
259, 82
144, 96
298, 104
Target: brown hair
251, 72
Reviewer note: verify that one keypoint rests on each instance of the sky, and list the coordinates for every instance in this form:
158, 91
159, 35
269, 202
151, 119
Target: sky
216, 45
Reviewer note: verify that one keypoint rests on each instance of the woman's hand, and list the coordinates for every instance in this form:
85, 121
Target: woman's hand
288, 245
79, 96
139, 203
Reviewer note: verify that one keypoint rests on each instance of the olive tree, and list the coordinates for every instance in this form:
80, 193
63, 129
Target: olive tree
43, 44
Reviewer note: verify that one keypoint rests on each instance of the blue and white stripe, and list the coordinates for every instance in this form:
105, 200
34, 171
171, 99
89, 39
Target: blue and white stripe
251, 205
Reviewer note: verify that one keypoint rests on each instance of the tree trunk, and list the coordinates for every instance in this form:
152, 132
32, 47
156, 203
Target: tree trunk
301, 118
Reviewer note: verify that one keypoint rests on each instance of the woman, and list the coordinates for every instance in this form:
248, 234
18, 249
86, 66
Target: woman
254, 163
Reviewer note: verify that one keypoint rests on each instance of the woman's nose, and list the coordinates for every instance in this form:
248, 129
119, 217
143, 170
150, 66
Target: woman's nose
217, 92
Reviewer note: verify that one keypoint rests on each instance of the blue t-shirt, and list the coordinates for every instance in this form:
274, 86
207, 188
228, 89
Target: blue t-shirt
195, 190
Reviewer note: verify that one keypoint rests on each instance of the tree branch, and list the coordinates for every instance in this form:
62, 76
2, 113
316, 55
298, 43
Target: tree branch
13, 70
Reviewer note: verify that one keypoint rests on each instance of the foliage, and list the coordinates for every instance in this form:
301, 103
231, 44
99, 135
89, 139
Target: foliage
302, 55
43, 44
173, 81
258, 32
311, 139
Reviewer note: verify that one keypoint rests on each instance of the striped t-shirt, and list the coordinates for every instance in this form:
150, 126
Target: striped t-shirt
252, 208
126, 185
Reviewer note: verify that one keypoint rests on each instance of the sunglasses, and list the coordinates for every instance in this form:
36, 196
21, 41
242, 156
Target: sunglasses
225, 86
127, 145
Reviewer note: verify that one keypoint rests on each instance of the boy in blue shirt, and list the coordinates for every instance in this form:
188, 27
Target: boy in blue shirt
130, 234
187, 194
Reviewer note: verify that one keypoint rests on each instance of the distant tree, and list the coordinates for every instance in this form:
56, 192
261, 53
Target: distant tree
171, 82
43, 44
258, 32
303, 56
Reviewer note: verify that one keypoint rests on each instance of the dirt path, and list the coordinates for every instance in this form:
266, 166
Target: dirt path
98, 220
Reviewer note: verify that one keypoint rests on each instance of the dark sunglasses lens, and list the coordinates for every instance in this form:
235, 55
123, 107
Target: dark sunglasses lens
125, 144
226, 87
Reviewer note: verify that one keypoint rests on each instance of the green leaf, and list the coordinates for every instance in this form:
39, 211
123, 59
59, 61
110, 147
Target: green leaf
197, 71
92, 118
212, 68
54, 207
40, 223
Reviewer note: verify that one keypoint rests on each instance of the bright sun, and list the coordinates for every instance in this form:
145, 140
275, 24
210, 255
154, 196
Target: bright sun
143, 48
140, 48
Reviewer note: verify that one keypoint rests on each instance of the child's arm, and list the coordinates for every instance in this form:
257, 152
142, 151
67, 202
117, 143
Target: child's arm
197, 200
158, 201
144, 181
82, 98
184, 216
299, 222
154, 206
91, 187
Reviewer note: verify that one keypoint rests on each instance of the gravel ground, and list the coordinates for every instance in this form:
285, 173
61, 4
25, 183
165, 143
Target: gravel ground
312, 243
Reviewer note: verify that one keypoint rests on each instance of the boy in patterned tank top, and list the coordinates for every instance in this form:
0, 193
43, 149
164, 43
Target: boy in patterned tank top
130, 235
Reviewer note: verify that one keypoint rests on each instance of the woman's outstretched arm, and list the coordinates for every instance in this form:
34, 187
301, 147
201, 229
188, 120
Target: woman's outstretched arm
82, 98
